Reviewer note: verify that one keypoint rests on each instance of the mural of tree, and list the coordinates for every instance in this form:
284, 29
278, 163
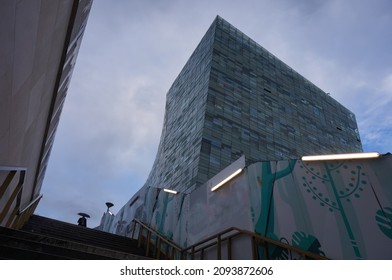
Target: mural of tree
266, 184
301, 240
120, 227
307, 242
384, 220
149, 204
317, 181
276, 252
164, 204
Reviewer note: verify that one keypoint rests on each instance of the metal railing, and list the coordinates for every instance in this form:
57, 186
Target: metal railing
24, 215
158, 246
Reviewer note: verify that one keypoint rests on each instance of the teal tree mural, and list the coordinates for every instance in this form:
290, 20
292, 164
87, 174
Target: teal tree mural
307, 242
266, 184
120, 223
265, 224
300, 239
167, 214
319, 181
384, 220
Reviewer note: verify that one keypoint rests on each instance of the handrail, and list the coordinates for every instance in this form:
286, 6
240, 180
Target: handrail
214, 240
30, 204
263, 239
160, 239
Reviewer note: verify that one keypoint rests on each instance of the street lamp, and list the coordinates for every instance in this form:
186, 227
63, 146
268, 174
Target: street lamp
109, 204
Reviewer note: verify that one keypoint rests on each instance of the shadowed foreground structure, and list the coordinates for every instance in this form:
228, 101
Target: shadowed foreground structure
40, 41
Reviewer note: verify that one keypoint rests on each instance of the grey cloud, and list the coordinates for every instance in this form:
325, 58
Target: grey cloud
133, 50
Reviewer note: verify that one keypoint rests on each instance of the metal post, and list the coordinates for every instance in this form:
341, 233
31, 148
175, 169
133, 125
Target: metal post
148, 243
219, 248
133, 230
193, 253
266, 250
140, 236
167, 250
229, 248
158, 249
254, 250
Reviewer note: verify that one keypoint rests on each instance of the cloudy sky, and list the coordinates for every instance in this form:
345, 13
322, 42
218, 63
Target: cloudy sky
133, 50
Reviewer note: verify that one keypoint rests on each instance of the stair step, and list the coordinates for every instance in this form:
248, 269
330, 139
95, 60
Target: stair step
67, 231
12, 253
16, 244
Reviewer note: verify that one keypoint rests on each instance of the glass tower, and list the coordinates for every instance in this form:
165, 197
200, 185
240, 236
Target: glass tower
235, 98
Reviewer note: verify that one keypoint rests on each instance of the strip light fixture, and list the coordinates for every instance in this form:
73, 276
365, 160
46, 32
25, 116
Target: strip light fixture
170, 191
341, 156
226, 180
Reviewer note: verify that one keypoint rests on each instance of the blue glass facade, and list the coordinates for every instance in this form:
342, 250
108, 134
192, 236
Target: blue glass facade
235, 98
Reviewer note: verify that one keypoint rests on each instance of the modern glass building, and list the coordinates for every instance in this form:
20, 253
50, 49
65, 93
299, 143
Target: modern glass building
235, 98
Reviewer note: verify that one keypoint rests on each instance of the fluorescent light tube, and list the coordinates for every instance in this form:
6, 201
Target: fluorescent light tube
226, 180
170, 191
341, 156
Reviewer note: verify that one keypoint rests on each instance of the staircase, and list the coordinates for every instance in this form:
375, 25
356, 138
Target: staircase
48, 239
